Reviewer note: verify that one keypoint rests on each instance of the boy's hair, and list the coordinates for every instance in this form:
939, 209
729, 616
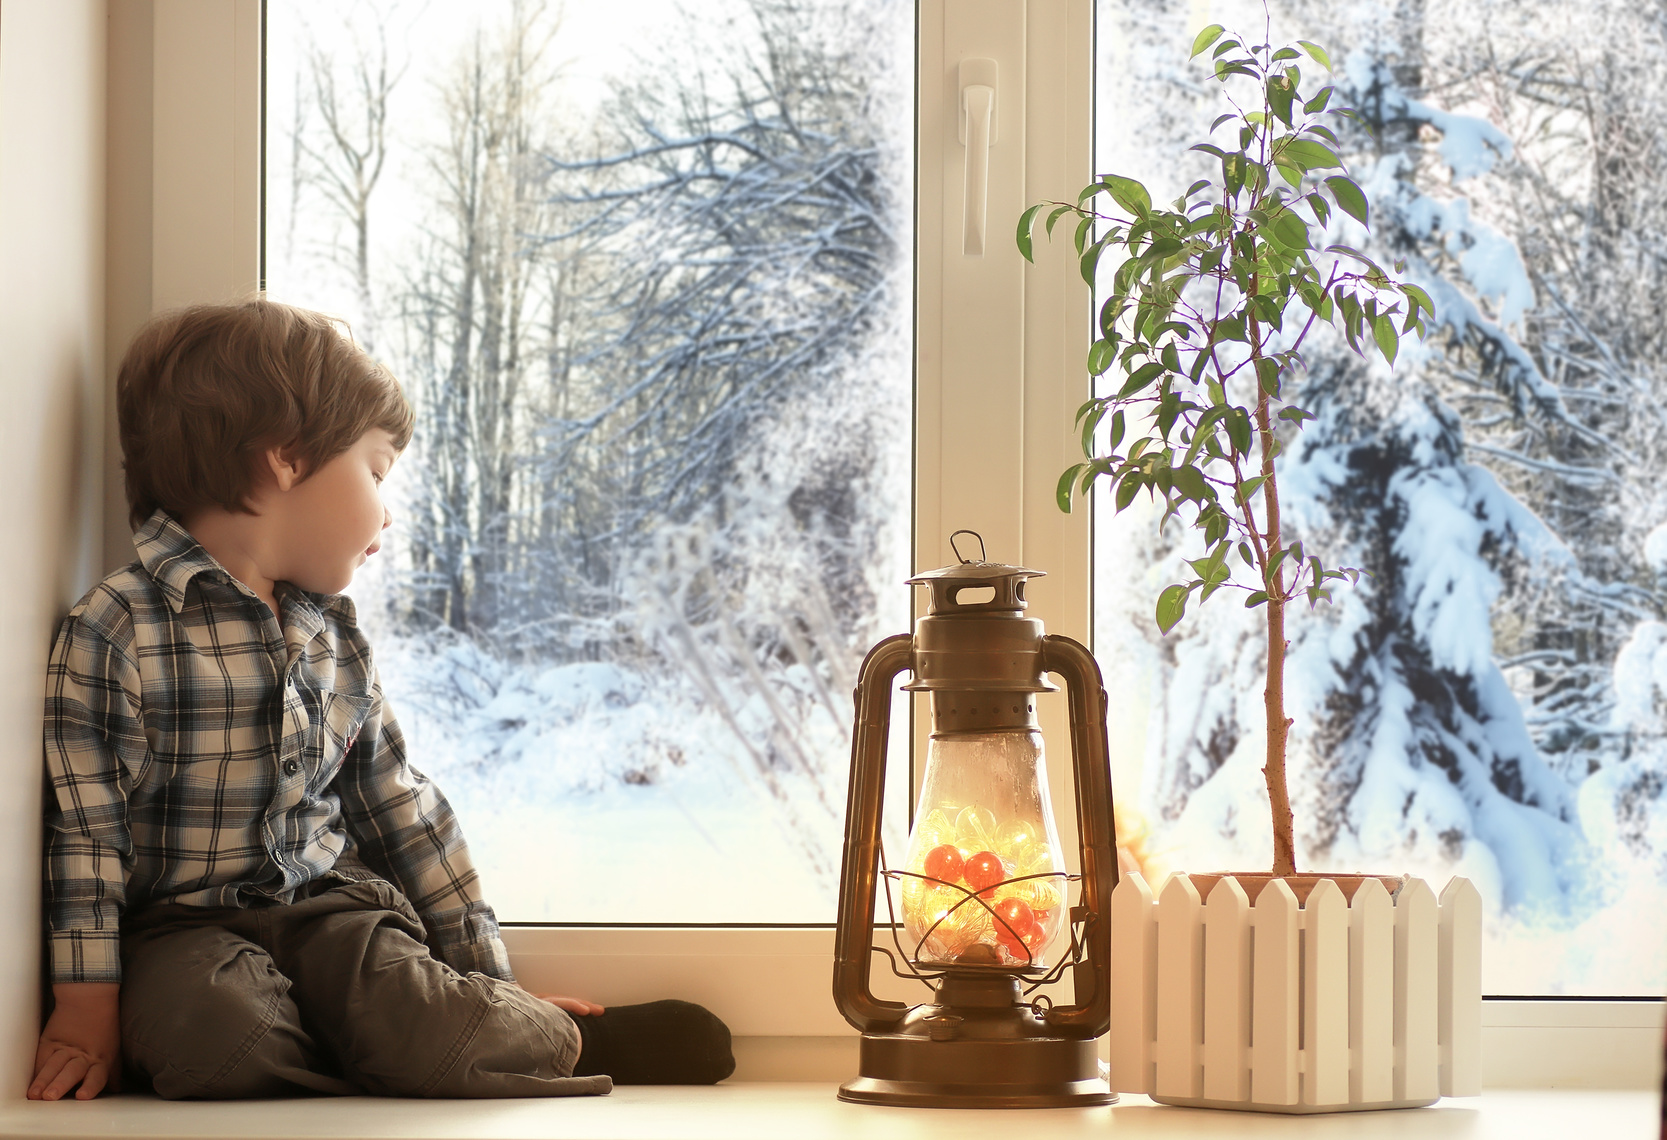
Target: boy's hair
204, 391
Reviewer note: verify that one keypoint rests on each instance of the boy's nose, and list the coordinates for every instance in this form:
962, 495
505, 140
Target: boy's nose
387, 517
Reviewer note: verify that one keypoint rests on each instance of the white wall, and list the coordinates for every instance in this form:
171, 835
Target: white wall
52, 395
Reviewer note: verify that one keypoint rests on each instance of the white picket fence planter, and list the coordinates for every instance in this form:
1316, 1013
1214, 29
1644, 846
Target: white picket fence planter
1330, 1006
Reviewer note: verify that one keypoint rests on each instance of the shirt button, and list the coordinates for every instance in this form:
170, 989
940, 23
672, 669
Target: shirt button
292, 766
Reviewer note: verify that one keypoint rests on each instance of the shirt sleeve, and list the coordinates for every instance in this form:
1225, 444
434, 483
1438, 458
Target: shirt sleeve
94, 739
404, 829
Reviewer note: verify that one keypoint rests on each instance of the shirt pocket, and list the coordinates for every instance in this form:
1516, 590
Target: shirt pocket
343, 715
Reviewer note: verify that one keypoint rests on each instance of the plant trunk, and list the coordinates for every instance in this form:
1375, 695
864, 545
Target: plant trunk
1279, 725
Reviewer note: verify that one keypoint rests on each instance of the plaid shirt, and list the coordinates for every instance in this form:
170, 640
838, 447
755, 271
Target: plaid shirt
199, 754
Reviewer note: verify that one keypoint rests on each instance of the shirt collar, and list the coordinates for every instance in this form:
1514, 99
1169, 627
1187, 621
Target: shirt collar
174, 560
172, 557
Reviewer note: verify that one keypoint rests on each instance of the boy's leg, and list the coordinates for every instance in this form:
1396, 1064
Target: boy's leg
402, 1023
206, 1014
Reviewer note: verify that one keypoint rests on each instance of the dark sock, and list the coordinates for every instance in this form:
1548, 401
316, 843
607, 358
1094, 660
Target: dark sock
656, 1043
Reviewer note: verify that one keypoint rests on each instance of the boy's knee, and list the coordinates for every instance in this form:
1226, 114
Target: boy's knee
206, 1014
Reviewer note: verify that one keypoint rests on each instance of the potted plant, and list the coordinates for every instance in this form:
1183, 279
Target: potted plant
1201, 337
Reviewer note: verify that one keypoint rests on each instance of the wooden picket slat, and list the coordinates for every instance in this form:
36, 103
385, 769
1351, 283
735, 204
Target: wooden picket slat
1274, 986
1134, 976
1459, 990
1325, 995
1417, 1072
1371, 994
1227, 991
1180, 1029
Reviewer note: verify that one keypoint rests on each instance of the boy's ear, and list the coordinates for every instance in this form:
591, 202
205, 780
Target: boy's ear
284, 466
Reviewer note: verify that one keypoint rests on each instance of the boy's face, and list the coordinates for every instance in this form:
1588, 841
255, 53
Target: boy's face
328, 524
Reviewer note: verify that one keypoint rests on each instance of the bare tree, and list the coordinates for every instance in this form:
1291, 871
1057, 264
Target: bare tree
479, 307
345, 159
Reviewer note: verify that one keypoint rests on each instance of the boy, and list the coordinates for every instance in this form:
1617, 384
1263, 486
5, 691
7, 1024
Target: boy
249, 891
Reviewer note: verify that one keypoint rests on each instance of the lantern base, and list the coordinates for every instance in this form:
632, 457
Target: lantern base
1035, 1072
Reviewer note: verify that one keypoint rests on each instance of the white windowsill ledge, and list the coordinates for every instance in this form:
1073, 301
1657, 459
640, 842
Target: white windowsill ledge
768, 1111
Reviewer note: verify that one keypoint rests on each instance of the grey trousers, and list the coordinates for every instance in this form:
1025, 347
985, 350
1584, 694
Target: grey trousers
334, 993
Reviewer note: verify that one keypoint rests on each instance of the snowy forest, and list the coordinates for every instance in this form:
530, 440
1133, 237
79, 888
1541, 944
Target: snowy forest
644, 277
1489, 702
644, 272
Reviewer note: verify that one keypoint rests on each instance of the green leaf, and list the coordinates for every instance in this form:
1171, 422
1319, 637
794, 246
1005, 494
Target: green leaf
1081, 236
1116, 436
1383, 330
1291, 230
1255, 599
1062, 492
1418, 295
1201, 184
1205, 38
1089, 424
1349, 197
1101, 355
1318, 103
1267, 373
1139, 379
1056, 215
1127, 488
1129, 194
1248, 488
1246, 555
1172, 606
1091, 261
1281, 91
1317, 53
1310, 155
1321, 208
1026, 219
1296, 415
1190, 482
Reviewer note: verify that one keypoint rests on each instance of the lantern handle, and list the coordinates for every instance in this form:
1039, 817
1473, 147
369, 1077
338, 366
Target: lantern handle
982, 557
1091, 763
854, 936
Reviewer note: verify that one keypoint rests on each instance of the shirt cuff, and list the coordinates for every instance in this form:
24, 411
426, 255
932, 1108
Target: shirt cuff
90, 956
466, 939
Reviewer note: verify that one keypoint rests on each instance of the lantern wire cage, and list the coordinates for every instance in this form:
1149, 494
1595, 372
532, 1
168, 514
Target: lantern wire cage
1077, 927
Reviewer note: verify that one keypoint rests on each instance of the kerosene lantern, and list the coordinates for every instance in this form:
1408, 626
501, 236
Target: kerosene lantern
983, 888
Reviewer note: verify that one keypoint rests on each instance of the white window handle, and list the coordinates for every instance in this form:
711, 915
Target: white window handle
978, 133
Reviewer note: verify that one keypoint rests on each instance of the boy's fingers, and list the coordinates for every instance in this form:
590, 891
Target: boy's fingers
93, 1083
45, 1070
70, 1076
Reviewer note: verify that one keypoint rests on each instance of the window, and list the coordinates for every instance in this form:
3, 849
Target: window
1488, 703
645, 272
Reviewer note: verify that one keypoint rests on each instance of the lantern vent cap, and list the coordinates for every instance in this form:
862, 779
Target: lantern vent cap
1005, 583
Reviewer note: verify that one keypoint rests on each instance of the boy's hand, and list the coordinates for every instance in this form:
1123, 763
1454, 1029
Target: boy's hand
81, 1044
577, 1006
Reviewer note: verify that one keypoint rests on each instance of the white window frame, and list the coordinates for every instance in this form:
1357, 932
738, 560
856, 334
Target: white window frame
998, 378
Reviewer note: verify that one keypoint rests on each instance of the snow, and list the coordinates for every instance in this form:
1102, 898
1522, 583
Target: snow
1413, 748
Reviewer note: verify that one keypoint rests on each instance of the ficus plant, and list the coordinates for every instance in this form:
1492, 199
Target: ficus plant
1200, 339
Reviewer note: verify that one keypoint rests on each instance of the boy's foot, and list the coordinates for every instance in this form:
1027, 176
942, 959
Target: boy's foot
656, 1043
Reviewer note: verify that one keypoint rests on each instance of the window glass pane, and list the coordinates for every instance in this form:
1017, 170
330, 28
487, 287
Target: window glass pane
1489, 702
644, 272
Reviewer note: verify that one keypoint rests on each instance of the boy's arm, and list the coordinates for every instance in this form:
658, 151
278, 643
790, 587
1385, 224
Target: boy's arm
405, 829
92, 732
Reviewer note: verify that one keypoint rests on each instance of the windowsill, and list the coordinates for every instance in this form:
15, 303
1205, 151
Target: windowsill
806, 1112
